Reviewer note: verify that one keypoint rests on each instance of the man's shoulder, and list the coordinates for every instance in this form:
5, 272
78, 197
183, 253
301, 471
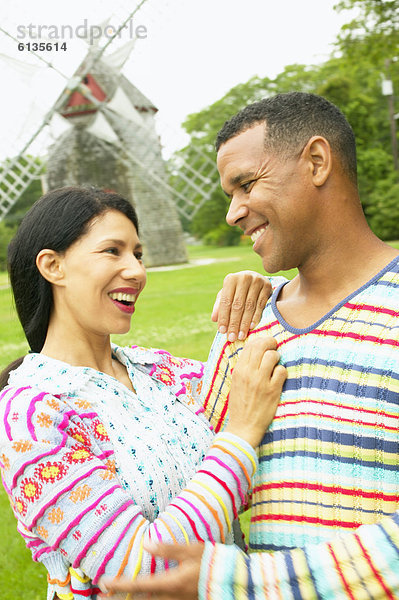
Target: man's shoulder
382, 291
277, 280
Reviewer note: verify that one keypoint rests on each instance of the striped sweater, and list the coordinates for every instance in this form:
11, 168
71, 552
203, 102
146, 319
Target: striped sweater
329, 463
94, 470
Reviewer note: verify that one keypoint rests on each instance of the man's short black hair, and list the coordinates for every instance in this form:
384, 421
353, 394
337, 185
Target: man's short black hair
291, 120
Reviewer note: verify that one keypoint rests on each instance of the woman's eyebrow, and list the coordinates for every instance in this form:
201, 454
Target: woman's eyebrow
112, 241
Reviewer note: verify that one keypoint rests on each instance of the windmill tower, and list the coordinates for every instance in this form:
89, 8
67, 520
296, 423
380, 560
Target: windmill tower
113, 144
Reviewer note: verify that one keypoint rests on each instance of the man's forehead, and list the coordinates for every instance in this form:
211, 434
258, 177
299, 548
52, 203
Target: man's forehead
243, 152
250, 141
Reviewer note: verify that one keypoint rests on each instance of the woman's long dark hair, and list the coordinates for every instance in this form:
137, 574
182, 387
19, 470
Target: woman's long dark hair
55, 221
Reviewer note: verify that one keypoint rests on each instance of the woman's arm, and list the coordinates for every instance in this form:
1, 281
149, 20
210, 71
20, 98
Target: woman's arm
66, 495
67, 498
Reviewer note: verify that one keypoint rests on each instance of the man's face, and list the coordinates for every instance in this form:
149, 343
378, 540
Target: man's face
270, 198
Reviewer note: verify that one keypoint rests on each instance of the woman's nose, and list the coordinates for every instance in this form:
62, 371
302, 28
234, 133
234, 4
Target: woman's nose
134, 269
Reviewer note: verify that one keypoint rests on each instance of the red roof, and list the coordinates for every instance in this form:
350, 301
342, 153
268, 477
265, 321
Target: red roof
78, 104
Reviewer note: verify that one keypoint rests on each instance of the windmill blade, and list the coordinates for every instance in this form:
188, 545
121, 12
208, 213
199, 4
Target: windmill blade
191, 175
188, 186
18, 173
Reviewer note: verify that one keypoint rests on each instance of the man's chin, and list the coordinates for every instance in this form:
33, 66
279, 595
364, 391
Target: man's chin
272, 267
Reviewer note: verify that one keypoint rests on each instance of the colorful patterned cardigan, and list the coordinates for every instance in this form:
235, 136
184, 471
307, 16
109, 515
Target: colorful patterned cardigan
93, 470
325, 493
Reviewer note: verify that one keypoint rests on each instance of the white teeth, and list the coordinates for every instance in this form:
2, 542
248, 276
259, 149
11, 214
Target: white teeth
256, 234
120, 296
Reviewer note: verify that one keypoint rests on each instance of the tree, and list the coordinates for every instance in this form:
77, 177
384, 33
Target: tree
6, 234
376, 28
210, 225
383, 209
351, 79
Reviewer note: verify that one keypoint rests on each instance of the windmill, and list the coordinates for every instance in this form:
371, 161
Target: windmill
113, 143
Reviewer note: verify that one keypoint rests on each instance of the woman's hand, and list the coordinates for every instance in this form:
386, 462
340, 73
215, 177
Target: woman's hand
239, 304
256, 386
180, 583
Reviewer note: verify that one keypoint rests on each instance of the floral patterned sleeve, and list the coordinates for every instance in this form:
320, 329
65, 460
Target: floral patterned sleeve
58, 469
185, 377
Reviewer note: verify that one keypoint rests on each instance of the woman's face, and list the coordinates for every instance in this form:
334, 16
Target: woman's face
103, 275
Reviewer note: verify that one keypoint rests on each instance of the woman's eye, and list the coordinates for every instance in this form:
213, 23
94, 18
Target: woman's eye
112, 250
138, 255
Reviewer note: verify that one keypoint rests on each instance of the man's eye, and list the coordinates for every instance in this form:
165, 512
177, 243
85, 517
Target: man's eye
247, 185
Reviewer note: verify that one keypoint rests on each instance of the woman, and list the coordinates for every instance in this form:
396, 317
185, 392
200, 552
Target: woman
103, 448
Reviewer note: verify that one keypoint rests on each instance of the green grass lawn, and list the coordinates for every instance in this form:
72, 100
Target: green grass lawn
173, 313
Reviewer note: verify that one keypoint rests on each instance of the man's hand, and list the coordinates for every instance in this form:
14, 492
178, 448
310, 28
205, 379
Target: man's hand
239, 304
180, 583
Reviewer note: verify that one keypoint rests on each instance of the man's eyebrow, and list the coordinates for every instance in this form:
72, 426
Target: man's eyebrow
241, 177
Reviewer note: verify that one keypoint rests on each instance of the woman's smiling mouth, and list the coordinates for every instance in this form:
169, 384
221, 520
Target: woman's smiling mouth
124, 299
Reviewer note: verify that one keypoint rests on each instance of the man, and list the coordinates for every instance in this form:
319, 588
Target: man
325, 518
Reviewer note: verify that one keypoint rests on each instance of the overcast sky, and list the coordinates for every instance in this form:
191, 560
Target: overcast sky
189, 54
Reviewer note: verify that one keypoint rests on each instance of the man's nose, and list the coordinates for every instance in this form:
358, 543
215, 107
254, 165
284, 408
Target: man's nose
237, 211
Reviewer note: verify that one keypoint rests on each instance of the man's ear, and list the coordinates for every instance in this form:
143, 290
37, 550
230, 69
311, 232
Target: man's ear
318, 154
49, 263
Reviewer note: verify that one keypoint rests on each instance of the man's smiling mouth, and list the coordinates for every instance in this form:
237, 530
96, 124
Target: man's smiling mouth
258, 232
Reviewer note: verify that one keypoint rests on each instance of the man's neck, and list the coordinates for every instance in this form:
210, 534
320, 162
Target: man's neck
327, 279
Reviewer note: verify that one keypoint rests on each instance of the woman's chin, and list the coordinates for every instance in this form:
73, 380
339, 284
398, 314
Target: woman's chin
121, 330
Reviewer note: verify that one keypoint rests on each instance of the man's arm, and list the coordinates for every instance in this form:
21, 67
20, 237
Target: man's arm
362, 564
359, 565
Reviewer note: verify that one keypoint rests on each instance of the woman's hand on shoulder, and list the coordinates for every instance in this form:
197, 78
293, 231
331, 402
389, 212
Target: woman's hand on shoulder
240, 303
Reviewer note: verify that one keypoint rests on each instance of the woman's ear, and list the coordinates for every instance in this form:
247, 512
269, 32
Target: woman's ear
318, 154
49, 264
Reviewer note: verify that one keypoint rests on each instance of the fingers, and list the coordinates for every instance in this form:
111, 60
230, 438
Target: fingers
178, 583
243, 310
261, 302
259, 359
240, 305
215, 310
260, 353
176, 552
255, 347
231, 305
160, 583
255, 390
279, 375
